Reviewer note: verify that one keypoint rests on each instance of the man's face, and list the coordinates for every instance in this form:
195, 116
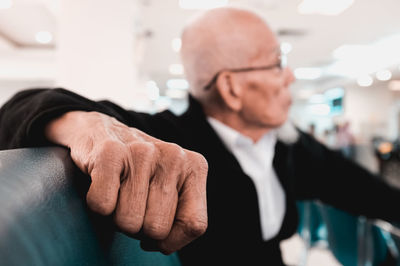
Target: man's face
266, 97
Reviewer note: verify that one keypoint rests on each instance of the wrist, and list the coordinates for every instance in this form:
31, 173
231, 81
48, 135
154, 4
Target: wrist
64, 129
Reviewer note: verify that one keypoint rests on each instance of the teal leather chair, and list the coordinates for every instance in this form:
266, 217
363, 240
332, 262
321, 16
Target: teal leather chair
354, 241
44, 219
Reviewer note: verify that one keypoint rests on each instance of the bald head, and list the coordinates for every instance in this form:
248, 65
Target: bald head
222, 38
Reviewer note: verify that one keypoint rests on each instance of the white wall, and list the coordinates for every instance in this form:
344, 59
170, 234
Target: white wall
94, 55
96, 49
371, 111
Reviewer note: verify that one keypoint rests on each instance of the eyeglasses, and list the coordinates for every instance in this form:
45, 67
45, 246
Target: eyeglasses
280, 65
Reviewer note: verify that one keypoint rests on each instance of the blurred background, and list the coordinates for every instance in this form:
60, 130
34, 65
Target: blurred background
345, 55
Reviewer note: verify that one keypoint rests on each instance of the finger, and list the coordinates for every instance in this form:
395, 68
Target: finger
191, 215
163, 193
103, 192
161, 205
133, 194
189, 224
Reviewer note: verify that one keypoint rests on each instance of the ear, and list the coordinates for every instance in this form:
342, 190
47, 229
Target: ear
230, 90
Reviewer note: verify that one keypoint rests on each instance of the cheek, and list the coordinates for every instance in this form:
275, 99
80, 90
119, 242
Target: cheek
284, 97
269, 104
281, 102
267, 99
259, 105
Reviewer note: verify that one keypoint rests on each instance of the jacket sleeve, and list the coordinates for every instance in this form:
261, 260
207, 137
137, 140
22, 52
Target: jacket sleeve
24, 117
328, 176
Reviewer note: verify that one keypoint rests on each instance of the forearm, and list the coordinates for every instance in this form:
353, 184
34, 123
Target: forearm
24, 117
65, 129
328, 176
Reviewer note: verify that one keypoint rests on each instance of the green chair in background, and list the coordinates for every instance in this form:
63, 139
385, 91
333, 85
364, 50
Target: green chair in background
354, 241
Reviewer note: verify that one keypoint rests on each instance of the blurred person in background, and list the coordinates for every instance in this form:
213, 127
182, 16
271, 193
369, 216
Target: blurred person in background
345, 140
328, 138
259, 163
311, 130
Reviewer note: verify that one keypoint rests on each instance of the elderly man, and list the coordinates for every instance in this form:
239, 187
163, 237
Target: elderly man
259, 165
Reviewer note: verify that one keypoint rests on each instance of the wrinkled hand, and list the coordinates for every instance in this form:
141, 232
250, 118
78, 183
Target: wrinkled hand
153, 187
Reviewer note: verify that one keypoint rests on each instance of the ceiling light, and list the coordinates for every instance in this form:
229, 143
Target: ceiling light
176, 69
309, 73
181, 84
4, 4
202, 4
43, 37
324, 7
365, 81
383, 75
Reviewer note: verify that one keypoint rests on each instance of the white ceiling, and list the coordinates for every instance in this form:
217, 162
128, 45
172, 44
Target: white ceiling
313, 38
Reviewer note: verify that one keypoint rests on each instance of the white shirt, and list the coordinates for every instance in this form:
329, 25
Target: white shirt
256, 161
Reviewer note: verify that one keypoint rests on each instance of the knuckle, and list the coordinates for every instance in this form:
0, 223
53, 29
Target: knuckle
170, 149
142, 147
101, 206
199, 163
110, 144
194, 228
156, 230
175, 148
110, 149
167, 251
130, 224
171, 157
142, 150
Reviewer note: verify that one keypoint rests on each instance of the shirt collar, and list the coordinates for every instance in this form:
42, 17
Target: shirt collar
228, 135
233, 138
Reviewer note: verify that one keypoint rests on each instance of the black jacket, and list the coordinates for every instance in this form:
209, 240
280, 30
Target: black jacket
306, 170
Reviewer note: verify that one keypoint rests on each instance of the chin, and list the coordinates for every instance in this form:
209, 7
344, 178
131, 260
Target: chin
275, 123
279, 121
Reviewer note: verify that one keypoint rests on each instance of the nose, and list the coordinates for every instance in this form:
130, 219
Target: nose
289, 76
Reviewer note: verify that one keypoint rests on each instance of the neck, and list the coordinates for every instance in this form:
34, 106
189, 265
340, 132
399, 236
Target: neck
254, 133
223, 114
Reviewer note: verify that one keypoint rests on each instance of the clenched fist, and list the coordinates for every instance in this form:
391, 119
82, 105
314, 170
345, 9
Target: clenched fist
151, 186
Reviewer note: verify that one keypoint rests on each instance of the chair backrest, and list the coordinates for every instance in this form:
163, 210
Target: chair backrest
44, 219
351, 239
